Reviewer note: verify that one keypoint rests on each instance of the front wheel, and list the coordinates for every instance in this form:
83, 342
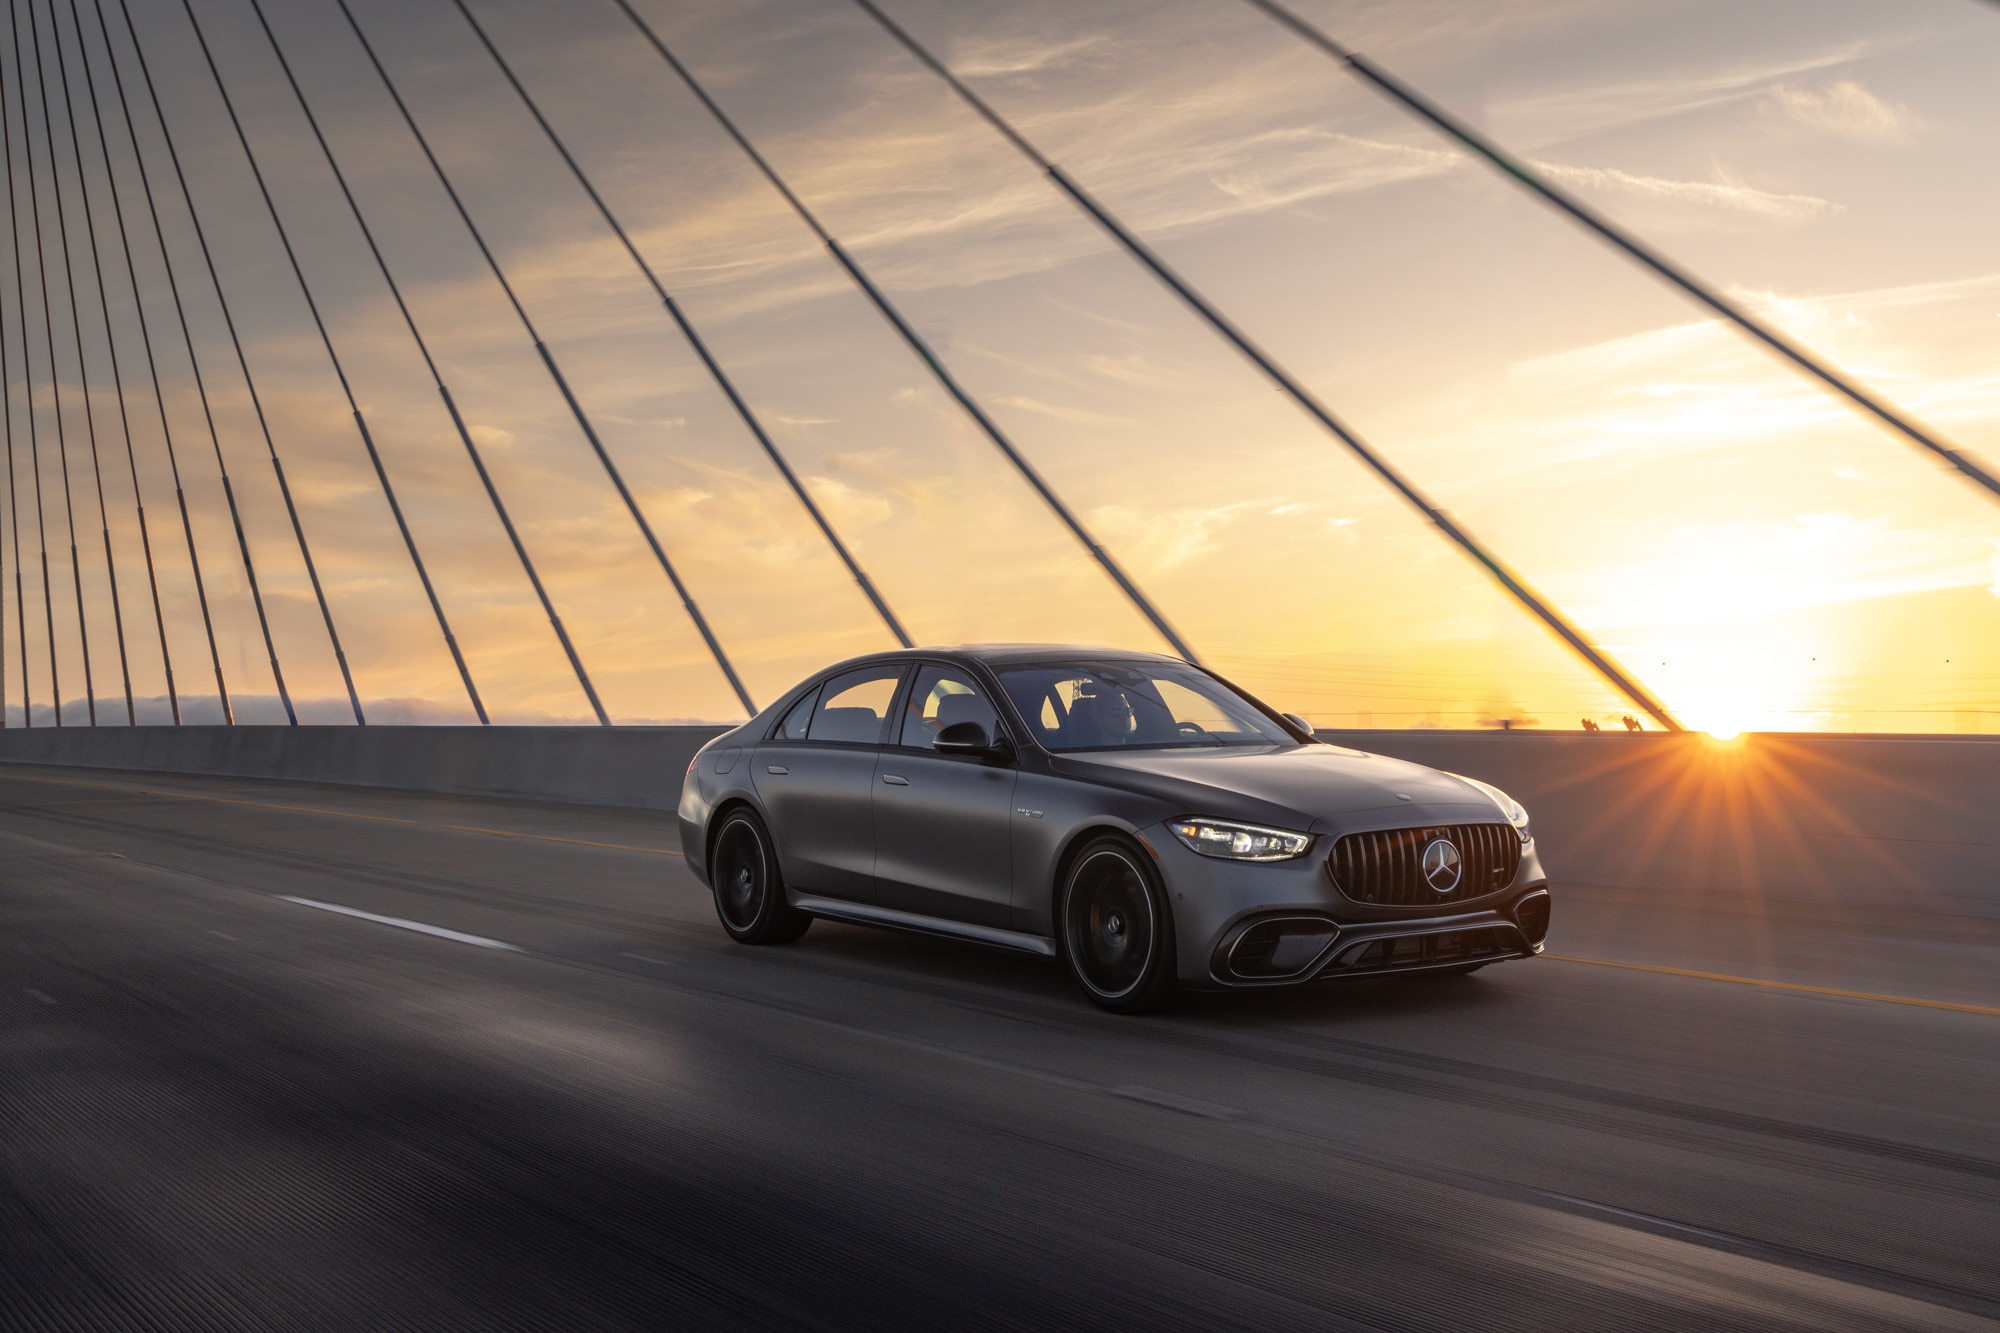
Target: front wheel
749, 892
1116, 932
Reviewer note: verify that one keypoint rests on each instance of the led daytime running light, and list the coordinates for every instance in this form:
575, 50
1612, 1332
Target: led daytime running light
1229, 841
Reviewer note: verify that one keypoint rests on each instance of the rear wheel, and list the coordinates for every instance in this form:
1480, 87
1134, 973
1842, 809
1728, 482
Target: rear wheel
1116, 932
749, 892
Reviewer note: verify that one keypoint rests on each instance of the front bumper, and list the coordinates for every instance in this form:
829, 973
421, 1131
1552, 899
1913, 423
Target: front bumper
1242, 925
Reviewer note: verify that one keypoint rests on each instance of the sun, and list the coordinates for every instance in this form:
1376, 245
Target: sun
1728, 686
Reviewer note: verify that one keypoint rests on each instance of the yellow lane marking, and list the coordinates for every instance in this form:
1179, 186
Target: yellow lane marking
1783, 985
341, 814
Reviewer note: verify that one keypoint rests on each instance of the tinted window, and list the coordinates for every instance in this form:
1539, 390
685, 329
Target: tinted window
1135, 705
852, 706
793, 728
942, 697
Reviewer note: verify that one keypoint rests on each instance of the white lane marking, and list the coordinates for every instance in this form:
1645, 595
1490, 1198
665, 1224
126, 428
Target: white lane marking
42, 996
397, 921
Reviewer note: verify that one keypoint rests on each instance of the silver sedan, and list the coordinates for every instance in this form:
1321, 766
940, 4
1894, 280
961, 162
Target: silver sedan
1134, 816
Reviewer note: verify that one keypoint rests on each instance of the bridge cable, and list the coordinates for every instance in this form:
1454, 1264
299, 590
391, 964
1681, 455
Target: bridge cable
7, 421
145, 333
257, 405
13, 502
922, 348
14, 521
111, 344
76, 329
201, 392
34, 452
464, 435
562, 384
1528, 178
34, 444
1543, 610
340, 372
695, 341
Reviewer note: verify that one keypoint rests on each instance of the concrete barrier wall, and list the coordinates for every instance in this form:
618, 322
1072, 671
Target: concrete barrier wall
1889, 822
624, 766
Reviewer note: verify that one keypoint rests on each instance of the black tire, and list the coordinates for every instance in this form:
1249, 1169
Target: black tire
749, 890
1115, 930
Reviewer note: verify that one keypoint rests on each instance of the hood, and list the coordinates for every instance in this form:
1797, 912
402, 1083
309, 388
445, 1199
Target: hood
1314, 788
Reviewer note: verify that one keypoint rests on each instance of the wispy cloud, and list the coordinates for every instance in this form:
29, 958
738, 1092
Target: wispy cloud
986, 59
1727, 195
1605, 105
1845, 108
1080, 416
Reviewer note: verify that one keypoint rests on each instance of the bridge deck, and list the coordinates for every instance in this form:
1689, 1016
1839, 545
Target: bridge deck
234, 1110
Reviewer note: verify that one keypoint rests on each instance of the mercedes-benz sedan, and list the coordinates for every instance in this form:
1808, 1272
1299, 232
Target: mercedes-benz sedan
1135, 816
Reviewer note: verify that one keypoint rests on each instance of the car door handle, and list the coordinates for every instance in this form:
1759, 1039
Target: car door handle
895, 781
774, 769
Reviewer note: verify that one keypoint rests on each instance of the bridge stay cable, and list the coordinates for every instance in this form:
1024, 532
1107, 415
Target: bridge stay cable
1534, 603
1528, 178
34, 443
695, 341
7, 407
34, 446
13, 521
340, 372
257, 407
70, 114
423, 349
146, 337
919, 345
76, 329
562, 384
200, 382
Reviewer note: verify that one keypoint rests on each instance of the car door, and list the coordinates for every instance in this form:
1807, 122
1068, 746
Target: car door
816, 777
942, 821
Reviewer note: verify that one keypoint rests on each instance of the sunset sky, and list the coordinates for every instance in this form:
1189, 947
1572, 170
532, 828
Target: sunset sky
1744, 543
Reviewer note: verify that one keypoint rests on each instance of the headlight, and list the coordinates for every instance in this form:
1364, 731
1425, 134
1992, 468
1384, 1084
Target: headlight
1516, 813
1239, 842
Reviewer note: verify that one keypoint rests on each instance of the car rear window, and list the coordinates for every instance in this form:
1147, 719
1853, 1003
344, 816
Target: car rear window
852, 706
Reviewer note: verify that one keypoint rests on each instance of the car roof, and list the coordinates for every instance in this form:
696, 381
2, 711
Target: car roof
1001, 654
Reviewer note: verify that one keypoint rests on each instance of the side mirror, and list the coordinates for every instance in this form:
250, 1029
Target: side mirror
1298, 722
961, 738
971, 738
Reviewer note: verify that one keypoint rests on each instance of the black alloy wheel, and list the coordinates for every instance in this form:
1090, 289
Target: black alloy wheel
749, 892
1117, 934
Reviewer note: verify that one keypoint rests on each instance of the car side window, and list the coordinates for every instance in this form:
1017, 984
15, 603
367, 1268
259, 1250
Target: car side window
941, 697
793, 728
852, 706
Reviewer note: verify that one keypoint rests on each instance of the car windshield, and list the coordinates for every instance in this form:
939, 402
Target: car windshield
1134, 706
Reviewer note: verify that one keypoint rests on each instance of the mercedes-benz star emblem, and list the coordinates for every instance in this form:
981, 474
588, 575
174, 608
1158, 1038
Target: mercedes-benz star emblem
1442, 867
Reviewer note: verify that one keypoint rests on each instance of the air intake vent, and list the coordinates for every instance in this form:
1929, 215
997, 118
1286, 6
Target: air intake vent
1424, 867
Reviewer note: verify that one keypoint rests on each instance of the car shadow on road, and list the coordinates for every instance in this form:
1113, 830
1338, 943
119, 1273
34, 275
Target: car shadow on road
902, 958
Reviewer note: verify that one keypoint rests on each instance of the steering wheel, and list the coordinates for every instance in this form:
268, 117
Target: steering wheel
1190, 729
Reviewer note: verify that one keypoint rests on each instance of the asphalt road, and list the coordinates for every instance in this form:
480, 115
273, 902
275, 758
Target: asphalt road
222, 1108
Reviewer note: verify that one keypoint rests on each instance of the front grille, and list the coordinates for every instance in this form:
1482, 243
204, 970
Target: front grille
1387, 867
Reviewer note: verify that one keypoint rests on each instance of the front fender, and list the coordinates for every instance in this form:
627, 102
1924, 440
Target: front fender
1051, 815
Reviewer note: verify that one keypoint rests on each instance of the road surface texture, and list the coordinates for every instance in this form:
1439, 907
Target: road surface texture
228, 1100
